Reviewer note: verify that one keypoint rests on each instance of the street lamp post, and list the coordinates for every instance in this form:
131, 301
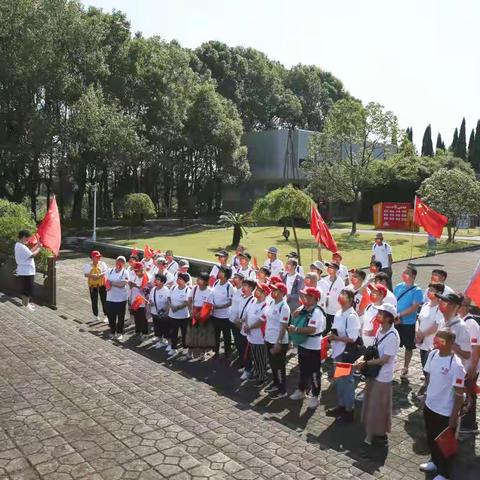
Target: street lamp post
94, 235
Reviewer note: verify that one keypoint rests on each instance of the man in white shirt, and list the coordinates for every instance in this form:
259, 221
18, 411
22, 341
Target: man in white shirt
161, 267
274, 264
158, 300
439, 276
445, 377
382, 252
172, 265
245, 268
342, 269
382, 279
299, 268
333, 285
222, 257
222, 293
24, 257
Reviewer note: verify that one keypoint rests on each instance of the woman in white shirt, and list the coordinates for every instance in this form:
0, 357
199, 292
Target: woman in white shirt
24, 257
429, 320
116, 280
377, 403
178, 313
345, 330
158, 301
222, 293
94, 272
369, 323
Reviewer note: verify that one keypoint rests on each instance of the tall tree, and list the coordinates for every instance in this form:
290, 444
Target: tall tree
461, 148
453, 146
471, 148
341, 158
427, 145
440, 144
476, 163
409, 134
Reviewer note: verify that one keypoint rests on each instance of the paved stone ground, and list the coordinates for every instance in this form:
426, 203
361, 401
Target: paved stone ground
74, 405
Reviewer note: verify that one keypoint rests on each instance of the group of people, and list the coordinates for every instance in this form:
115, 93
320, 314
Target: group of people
351, 320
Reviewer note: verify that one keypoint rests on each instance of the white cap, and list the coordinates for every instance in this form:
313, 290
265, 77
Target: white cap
121, 258
319, 265
388, 307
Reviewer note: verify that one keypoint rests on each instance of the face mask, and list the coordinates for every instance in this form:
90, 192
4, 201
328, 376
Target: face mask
119, 265
342, 301
438, 342
373, 269
405, 277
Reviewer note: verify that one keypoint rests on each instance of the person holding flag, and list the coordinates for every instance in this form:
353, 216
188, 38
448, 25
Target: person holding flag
24, 257
94, 272
139, 289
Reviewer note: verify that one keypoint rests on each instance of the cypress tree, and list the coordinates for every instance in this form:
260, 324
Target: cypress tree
471, 149
453, 146
427, 145
440, 145
410, 134
476, 163
461, 150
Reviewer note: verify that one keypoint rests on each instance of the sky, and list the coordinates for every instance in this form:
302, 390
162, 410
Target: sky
418, 58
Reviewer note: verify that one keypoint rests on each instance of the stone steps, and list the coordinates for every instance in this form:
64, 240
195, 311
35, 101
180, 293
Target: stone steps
237, 442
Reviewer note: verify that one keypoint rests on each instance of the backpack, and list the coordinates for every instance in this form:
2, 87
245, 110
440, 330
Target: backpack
301, 321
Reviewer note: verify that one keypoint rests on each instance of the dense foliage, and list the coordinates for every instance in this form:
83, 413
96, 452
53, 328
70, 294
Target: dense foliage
138, 207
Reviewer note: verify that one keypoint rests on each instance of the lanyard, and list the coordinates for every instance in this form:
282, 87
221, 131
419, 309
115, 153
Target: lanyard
250, 298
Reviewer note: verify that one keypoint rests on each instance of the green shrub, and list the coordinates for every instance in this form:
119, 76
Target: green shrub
138, 207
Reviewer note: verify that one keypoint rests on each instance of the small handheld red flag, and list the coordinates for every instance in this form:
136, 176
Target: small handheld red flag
324, 349
320, 231
134, 252
255, 262
342, 370
431, 221
447, 442
137, 302
148, 252
49, 231
473, 288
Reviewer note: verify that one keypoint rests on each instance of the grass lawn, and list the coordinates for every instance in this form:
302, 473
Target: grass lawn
356, 250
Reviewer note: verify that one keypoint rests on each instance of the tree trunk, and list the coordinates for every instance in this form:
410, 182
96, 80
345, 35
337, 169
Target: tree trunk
449, 231
355, 213
296, 241
237, 236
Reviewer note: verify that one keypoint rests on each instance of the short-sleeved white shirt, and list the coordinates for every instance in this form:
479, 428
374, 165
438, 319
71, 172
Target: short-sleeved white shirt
173, 267
117, 294
388, 346
368, 325
221, 295
177, 297
446, 291
159, 300
332, 290
199, 297
277, 314
137, 289
189, 281
148, 264
347, 324
429, 315
170, 276
236, 300
248, 273
275, 267
343, 273
462, 337
473, 329
381, 252
254, 312
318, 321
24, 260
446, 373
390, 298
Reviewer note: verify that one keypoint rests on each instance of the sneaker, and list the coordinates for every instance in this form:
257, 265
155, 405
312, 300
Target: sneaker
335, 412
168, 349
313, 403
245, 375
428, 467
159, 345
105, 319
172, 353
241, 370
277, 395
440, 477
297, 395
360, 396
120, 337
31, 307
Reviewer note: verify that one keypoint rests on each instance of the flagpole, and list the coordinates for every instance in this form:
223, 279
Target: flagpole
413, 226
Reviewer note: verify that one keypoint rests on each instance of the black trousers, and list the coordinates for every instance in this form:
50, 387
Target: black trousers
388, 271
26, 285
469, 420
175, 325
309, 363
434, 425
141, 323
96, 292
329, 322
161, 325
240, 343
223, 326
116, 316
278, 364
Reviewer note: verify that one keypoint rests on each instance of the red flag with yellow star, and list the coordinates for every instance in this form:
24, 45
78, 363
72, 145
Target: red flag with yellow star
431, 221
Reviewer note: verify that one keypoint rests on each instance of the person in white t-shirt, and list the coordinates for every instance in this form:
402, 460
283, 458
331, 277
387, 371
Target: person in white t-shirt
116, 280
312, 319
172, 265
200, 331
158, 300
254, 326
370, 325
357, 285
345, 330
247, 271
183, 267
236, 259
222, 257
443, 400
429, 320
332, 286
342, 269
139, 289
298, 268
94, 271
469, 425
276, 340
161, 267
439, 276
222, 292
274, 264
377, 401
382, 252
178, 313
382, 279
24, 257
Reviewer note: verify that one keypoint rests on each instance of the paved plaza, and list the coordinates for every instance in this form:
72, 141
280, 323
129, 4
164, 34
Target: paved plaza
74, 405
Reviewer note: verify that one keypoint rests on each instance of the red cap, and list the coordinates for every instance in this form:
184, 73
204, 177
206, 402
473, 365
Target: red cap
264, 288
275, 279
95, 254
378, 288
279, 286
311, 292
138, 266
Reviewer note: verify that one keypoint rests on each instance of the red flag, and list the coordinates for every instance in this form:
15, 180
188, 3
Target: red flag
138, 302
144, 281
431, 221
473, 288
324, 349
49, 231
134, 252
342, 370
447, 442
255, 262
320, 231
148, 252
33, 240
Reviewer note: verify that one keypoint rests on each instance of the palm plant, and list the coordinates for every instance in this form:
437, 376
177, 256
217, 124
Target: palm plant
237, 221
